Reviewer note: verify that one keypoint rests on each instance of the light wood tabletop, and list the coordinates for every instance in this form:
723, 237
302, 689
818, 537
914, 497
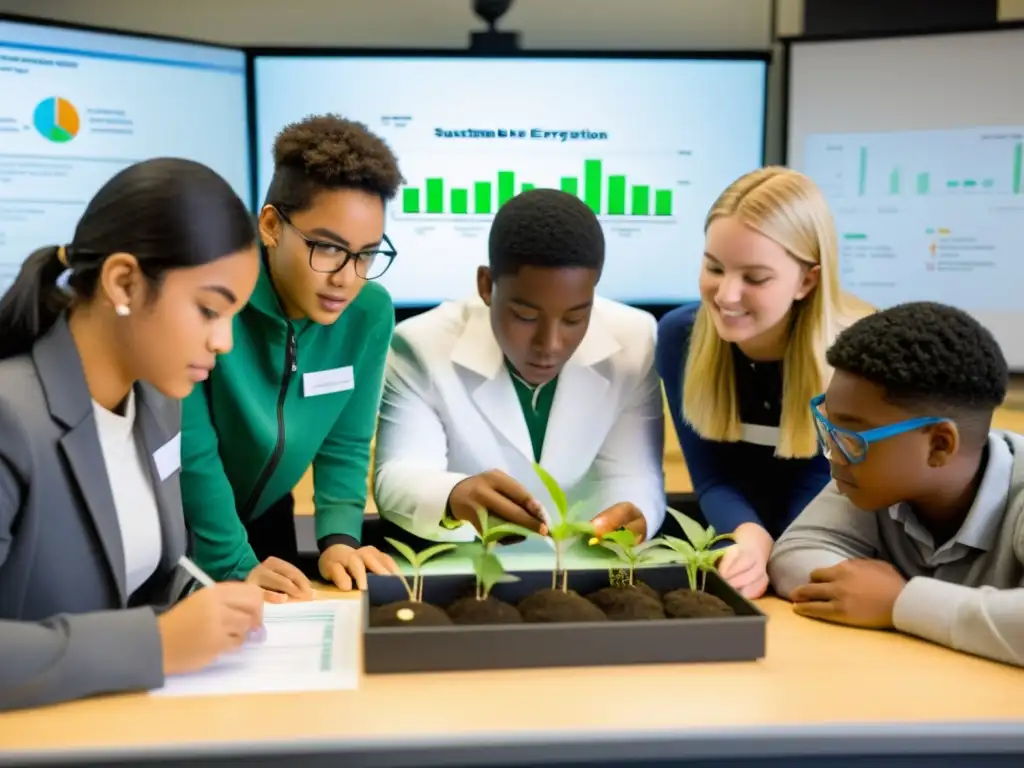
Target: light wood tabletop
816, 678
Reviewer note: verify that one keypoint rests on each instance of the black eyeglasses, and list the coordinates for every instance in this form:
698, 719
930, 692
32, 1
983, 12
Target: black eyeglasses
330, 258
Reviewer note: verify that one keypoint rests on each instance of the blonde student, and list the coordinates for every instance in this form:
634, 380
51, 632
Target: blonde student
922, 530
740, 365
101, 338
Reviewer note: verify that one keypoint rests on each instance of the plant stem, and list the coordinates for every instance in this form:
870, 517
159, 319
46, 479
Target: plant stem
565, 580
408, 589
632, 565
703, 580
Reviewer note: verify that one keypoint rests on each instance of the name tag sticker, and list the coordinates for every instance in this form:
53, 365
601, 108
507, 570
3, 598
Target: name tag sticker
326, 382
167, 458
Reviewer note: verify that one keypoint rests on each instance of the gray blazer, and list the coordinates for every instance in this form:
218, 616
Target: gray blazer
67, 628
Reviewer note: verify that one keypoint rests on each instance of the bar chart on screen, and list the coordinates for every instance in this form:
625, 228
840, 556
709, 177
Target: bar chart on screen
933, 214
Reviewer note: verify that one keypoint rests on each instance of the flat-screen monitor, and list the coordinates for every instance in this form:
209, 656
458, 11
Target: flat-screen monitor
917, 142
78, 106
647, 142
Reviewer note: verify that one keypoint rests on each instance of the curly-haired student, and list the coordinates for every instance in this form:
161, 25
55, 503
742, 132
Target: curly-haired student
302, 384
535, 369
922, 529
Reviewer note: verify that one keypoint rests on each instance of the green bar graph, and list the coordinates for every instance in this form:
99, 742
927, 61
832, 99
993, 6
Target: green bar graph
863, 176
894, 182
460, 201
610, 195
410, 200
641, 200
482, 197
663, 202
592, 184
1017, 167
922, 183
616, 195
435, 195
970, 183
506, 187
854, 236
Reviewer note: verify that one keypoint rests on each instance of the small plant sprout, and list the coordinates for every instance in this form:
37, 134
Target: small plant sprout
417, 561
696, 554
486, 564
623, 543
489, 572
564, 531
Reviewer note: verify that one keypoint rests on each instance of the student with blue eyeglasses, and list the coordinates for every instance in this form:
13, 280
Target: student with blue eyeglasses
922, 529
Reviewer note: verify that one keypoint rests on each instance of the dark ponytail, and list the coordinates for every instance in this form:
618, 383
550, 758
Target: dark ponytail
168, 213
33, 303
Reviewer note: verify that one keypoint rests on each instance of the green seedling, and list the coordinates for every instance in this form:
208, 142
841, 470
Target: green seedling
624, 543
566, 529
696, 554
486, 564
489, 572
417, 561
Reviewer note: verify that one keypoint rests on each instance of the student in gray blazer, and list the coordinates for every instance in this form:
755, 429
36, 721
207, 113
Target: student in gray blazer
99, 340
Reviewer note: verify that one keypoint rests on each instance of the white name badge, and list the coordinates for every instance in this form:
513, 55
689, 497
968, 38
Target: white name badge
326, 382
168, 457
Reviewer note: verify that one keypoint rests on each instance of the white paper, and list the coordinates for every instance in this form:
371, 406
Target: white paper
309, 646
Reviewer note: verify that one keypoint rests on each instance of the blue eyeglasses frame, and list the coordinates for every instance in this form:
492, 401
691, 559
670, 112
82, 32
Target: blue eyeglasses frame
865, 438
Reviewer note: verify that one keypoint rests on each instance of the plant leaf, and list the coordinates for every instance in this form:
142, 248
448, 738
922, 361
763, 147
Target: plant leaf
621, 552
557, 494
709, 558
575, 511
659, 556
405, 551
489, 570
693, 530
623, 537
649, 544
508, 529
684, 548
580, 528
434, 551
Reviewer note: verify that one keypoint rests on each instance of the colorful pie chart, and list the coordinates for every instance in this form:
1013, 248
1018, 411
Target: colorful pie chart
56, 119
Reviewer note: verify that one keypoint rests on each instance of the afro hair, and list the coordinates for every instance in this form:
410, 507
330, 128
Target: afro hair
929, 358
545, 228
330, 152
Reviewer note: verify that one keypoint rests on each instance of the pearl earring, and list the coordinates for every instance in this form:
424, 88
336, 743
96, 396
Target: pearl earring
122, 310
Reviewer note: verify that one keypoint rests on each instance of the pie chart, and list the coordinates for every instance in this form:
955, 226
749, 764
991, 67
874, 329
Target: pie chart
56, 119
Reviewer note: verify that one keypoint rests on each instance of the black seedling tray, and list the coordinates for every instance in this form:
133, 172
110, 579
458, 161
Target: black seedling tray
517, 646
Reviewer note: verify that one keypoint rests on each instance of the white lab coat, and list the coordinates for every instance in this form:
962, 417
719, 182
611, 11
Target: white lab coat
449, 411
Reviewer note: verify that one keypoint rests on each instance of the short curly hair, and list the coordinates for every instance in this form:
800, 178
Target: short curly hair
329, 152
545, 228
929, 358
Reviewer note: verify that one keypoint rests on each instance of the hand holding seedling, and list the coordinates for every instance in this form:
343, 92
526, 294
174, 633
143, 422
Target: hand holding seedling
861, 593
500, 495
622, 515
745, 566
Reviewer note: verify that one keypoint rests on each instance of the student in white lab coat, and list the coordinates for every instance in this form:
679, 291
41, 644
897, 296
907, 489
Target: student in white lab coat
535, 370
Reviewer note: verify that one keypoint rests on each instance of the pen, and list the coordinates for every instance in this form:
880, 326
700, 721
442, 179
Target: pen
197, 573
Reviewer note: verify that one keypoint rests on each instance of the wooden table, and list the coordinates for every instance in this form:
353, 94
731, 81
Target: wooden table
821, 692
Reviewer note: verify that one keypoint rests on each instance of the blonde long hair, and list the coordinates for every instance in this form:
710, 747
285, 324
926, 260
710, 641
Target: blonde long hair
788, 208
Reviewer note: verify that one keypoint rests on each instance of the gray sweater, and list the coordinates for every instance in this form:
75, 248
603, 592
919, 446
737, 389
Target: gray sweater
967, 594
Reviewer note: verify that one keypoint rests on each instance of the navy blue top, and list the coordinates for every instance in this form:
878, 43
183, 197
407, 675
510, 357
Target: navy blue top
742, 482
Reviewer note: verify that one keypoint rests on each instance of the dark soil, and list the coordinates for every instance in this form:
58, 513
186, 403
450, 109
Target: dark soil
469, 610
554, 605
629, 603
689, 604
408, 614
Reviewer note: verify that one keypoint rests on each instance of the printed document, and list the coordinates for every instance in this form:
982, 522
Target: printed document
309, 646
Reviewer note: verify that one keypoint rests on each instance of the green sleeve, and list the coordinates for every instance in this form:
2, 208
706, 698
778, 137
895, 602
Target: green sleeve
342, 465
221, 543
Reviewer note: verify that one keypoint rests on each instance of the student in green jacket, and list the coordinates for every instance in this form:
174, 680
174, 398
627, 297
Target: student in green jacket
303, 382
